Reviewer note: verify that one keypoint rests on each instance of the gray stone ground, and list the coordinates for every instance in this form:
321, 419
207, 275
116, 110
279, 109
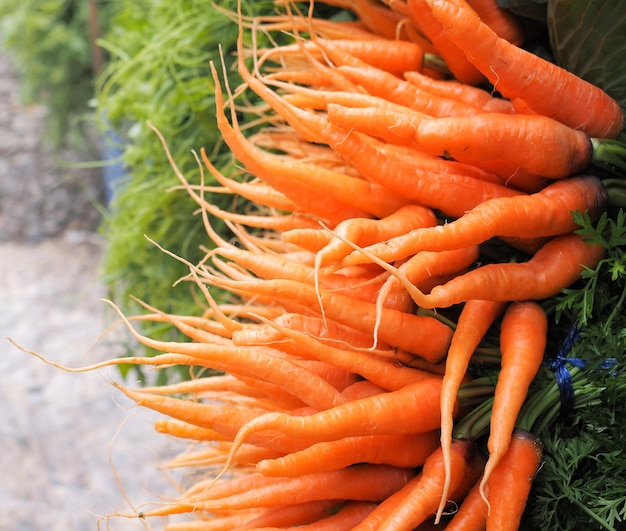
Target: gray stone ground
72, 449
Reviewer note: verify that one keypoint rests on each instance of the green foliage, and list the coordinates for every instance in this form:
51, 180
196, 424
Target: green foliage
50, 43
158, 70
587, 38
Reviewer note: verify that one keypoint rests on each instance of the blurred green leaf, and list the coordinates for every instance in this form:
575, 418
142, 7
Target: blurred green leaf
588, 38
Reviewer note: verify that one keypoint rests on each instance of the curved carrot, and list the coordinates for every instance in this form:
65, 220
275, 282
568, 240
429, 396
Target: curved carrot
546, 88
422, 335
523, 338
381, 371
397, 450
418, 499
545, 213
500, 20
282, 516
469, 94
511, 481
452, 52
475, 319
362, 483
483, 137
412, 409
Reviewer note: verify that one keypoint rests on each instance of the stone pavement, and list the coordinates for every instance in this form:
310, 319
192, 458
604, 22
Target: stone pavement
60, 447
65, 438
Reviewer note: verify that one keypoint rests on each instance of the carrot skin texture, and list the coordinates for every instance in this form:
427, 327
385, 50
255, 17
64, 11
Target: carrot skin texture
545, 213
554, 267
523, 339
397, 450
510, 483
547, 89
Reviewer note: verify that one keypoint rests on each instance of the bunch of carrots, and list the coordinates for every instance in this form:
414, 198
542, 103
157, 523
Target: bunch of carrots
380, 172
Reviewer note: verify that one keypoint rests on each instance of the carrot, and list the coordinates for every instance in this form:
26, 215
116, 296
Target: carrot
299, 181
421, 335
475, 319
369, 231
418, 499
510, 483
408, 410
472, 513
397, 450
523, 338
361, 482
554, 267
548, 89
345, 518
482, 137
469, 94
379, 370
419, 12
282, 516
545, 213
391, 56
500, 20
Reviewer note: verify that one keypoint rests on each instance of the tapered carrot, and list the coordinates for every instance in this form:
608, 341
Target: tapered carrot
511, 481
282, 516
469, 94
391, 56
422, 335
554, 267
484, 137
452, 52
381, 371
523, 340
346, 516
545, 213
545, 87
473, 323
472, 512
411, 409
397, 450
418, 499
362, 482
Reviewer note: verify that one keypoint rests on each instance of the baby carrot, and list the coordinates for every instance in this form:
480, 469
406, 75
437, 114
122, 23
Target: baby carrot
362, 482
397, 450
545, 213
547, 89
482, 137
511, 481
523, 340
475, 319
412, 409
418, 499
452, 52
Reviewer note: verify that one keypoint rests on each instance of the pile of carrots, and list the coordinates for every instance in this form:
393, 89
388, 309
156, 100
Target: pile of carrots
377, 175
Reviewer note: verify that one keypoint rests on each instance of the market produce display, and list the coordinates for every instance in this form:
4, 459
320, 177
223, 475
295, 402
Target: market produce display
423, 326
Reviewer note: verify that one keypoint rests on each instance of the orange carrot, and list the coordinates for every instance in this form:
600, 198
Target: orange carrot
282, 516
472, 513
523, 340
452, 52
554, 267
469, 94
418, 499
475, 319
381, 371
397, 450
483, 137
510, 482
421, 335
546, 86
361, 482
391, 56
411, 409
500, 20
545, 213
